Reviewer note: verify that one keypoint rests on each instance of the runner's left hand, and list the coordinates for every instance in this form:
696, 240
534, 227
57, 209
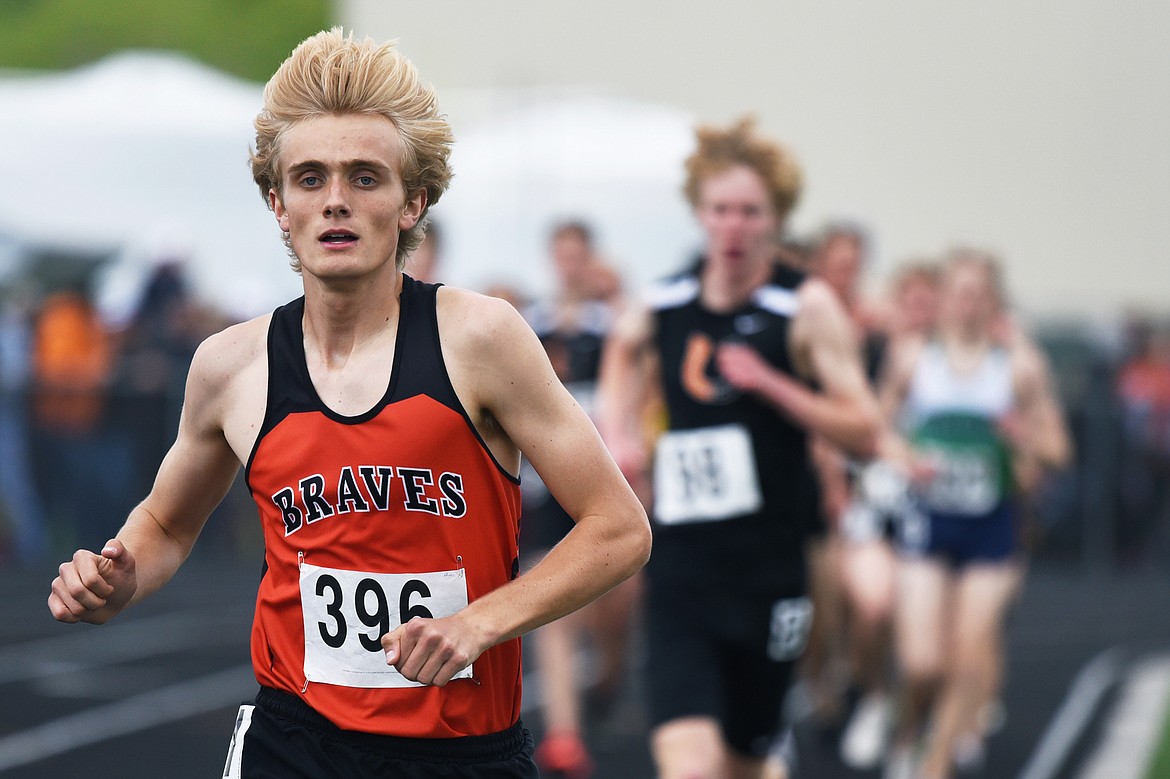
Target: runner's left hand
432, 651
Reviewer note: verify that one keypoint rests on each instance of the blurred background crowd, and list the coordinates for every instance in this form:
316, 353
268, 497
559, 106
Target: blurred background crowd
134, 231
89, 403
130, 231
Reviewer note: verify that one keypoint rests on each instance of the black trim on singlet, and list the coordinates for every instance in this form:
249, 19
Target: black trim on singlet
457, 405
789, 278
417, 368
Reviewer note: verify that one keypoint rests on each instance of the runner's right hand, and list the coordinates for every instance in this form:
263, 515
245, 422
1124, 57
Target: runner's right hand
94, 587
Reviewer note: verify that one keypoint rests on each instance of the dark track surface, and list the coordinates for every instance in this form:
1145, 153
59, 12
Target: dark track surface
188, 646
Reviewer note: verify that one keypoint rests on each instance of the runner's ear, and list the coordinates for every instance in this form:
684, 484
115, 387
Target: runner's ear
412, 211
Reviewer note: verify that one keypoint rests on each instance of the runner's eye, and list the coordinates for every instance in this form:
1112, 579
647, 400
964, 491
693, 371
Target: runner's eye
366, 181
310, 181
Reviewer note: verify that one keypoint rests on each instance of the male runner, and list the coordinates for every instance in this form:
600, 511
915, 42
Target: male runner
869, 562
862, 527
732, 344
381, 422
572, 323
838, 259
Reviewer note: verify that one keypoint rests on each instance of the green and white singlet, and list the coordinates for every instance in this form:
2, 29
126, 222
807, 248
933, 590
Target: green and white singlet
953, 418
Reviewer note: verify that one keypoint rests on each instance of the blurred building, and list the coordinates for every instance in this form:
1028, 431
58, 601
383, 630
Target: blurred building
1034, 129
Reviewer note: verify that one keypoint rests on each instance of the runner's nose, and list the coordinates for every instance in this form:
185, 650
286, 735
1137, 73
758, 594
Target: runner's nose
335, 201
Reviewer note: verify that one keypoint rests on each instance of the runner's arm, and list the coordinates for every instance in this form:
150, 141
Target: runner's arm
844, 411
159, 533
611, 539
892, 388
1036, 430
832, 470
628, 377
516, 385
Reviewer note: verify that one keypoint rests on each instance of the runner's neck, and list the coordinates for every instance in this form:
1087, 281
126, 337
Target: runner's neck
340, 320
727, 288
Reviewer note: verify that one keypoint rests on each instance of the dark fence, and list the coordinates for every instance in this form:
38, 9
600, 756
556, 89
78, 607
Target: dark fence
60, 489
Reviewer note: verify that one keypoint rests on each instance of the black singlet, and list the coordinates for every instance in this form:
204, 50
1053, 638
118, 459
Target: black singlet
759, 547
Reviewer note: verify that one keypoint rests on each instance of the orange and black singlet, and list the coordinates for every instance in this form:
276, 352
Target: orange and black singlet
374, 519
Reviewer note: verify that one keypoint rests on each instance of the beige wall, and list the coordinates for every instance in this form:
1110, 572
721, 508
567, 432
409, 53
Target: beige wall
1035, 128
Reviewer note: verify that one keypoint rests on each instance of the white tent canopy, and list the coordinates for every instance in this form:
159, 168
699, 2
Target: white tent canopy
614, 163
145, 152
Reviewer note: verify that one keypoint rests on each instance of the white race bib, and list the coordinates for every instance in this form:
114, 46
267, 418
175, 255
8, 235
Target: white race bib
347, 613
966, 482
705, 475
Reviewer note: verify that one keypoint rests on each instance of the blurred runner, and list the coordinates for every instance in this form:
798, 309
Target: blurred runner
572, 324
867, 530
914, 301
854, 563
381, 421
732, 344
837, 258
1143, 392
975, 404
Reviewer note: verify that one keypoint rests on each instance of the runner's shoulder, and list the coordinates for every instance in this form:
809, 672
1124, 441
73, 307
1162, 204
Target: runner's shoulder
228, 354
670, 292
817, 297
480, 329
904, 351
1028, 363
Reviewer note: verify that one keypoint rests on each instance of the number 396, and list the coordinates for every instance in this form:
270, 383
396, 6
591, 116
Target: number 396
370, 606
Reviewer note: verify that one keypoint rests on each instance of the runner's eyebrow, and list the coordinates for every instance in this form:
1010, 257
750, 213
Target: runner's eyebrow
354, 164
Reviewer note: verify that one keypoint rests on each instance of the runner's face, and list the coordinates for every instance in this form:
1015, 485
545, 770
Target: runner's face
918, 305
343, 202
736, 213
571, 258
839, 265
967, 299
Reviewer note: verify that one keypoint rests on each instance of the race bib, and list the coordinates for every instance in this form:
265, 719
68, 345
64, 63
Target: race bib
970, 460
347, 613
705, 475
966, 481
789, 628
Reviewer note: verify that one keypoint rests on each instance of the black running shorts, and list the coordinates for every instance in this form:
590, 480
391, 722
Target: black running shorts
713, 653
280, 737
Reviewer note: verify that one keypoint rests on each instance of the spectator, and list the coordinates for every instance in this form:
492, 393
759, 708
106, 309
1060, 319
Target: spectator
20, 506
83, 466
572, 324
1143, 390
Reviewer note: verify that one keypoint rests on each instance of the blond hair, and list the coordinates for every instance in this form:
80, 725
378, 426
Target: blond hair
982, 260
720, 149
332, 74
914, 272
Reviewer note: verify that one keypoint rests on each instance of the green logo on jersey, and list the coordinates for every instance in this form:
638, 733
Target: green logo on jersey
973, 464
